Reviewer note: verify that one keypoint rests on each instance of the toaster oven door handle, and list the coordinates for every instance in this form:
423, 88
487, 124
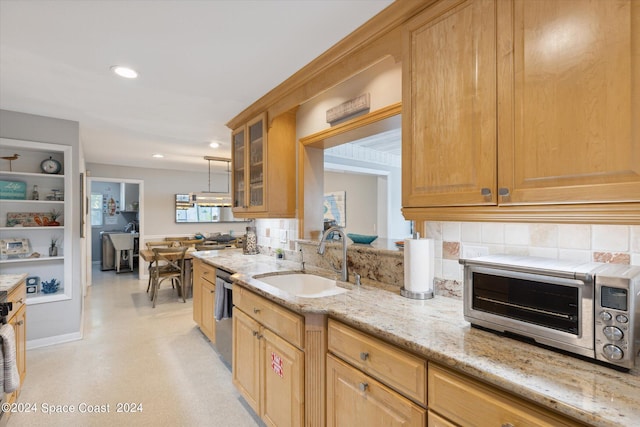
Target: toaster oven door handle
524, 307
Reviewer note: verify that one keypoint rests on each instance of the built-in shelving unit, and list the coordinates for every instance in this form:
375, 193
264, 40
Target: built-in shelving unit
53, 191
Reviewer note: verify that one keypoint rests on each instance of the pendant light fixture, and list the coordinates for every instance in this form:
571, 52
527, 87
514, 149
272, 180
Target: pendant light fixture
211, 198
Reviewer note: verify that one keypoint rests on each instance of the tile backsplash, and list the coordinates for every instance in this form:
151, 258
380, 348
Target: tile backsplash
602, 243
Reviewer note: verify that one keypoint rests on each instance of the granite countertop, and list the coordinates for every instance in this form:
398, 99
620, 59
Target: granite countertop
436, 329
9, 281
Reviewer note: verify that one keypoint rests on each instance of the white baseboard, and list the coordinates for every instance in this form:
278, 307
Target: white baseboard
58, 339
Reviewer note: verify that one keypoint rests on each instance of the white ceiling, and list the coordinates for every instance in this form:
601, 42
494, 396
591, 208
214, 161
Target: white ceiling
201, 62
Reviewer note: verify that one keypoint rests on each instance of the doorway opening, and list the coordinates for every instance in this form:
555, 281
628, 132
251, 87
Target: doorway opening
115, 205
320, 163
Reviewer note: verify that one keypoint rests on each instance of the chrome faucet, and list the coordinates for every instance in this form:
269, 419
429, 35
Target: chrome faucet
344, 274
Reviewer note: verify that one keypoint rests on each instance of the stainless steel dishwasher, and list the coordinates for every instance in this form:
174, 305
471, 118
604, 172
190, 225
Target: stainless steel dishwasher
223, 315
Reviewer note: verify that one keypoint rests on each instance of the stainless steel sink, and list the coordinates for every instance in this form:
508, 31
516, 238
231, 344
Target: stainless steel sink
303, 285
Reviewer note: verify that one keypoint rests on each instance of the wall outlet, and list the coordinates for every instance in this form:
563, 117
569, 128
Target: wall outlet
284, 236
469, 251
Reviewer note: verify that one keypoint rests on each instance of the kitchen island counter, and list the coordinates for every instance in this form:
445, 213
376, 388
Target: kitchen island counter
435, 329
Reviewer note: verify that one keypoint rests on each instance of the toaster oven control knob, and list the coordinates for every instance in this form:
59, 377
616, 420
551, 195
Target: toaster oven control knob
605, 316
622, 318
613, 333
612, 352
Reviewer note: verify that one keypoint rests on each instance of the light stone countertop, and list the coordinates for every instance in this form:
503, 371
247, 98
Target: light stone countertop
436, 329
9, 281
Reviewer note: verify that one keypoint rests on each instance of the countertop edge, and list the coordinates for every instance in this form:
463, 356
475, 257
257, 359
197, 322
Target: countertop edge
8, 282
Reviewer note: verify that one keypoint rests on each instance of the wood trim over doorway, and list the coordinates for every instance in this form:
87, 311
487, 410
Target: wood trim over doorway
320, 141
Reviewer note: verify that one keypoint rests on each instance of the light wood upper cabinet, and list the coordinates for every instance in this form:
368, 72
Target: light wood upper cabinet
449, 102
521, 103
263, 159
569, 101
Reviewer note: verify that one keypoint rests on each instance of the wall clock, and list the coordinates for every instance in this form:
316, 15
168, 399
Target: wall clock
51, 166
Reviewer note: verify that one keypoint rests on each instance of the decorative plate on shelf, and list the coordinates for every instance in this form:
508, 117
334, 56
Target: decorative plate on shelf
29, 219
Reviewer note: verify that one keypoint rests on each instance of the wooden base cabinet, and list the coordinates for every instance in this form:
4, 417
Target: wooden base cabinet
465, 401
371, 382
246, 358
355, 399
204, 294
267, 369
17, 318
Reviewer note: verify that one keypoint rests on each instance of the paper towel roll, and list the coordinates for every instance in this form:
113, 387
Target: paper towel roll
418, 265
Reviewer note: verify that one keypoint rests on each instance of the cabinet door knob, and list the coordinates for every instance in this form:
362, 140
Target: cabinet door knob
364, 355
256, 310
19, 322
485, 191
363, 386
507, 425
255, 333
503, 191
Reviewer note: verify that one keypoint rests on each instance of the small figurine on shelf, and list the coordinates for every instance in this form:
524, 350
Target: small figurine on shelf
54, 214
35, 195
49, 287
53, 249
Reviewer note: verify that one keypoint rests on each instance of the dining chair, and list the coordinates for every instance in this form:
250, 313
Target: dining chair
176, 239
168, 263
150, 246
190, 243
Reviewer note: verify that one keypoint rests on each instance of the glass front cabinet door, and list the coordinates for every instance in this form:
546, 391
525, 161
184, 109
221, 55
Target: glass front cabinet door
249, 157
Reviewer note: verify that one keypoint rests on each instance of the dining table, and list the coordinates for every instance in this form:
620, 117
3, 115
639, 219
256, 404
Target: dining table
147, 256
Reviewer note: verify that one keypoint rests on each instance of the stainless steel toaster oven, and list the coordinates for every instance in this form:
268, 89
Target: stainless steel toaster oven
590, 309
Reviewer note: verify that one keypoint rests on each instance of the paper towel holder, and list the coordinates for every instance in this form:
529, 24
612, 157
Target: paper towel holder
416, 295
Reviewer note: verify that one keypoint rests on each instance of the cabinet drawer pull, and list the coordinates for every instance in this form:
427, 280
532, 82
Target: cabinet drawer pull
507, 425
260, 336
365, 386
364, 355
485, 191
503, 191
256, 310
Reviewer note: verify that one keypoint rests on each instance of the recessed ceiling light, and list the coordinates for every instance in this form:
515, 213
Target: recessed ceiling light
214, 144
158, 156
127, 73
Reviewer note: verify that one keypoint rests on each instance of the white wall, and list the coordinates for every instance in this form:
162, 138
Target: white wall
60, 320
361, 200
160, 188
383, 81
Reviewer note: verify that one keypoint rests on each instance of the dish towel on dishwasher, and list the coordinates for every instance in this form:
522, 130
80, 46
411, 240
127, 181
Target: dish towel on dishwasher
221, 310
10, 368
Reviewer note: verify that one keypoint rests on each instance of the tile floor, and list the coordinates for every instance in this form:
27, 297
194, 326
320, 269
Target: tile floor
131, 353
